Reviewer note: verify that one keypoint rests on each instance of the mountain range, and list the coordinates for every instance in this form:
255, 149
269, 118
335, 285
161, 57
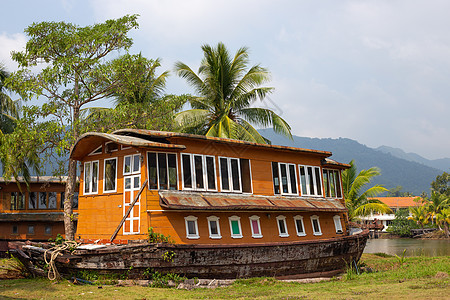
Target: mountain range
409, 170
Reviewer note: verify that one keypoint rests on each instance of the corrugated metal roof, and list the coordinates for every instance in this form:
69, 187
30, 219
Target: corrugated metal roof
166, 134
219, 201
332, 163
88, 142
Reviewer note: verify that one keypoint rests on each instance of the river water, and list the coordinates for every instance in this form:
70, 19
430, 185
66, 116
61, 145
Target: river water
414, 247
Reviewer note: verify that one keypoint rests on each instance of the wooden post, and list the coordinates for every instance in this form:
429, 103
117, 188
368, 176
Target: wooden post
128, 211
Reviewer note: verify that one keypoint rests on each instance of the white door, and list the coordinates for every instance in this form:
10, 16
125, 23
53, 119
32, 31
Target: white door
132, 223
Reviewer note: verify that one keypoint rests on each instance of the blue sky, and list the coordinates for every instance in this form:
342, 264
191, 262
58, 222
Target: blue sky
374, 71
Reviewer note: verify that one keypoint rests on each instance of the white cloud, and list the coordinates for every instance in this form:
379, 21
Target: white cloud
11, 42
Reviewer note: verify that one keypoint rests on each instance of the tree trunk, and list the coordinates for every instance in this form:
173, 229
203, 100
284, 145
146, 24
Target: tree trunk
446, 230
69, 225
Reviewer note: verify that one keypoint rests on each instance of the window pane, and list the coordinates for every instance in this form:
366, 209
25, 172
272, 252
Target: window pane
15, 229
75, 200
311, 181
136, 182
282, 226
338, 184
210, 173
235, 174
213, 227
316, 225
172, 160
284, 179
14, 200
21, 201
187, 177
224, 174
30, 229
127, 165
110, 175
87, 177
128, 183
255, 227
191, 228
326, 183
61, 199
332, 186
303, 180
293, 179
48, 230
162, 171
299, 226
235, 227
32, 200
246, 177
42, 200
95, 176
318, 185
198, 165
152, 171
276, 178
52, 200
136, 163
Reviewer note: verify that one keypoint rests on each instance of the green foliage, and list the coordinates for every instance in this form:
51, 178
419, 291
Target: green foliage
168, 256
357, 201
59, 240
401, 259
397, 192
155, 237
420, 215
161, 280
401, 225
226, 90
441, 184
382, 254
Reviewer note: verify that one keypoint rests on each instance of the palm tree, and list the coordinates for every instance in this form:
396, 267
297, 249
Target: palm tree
8, 107
358, 202
420, 215
443, 218
226, 90
435, 204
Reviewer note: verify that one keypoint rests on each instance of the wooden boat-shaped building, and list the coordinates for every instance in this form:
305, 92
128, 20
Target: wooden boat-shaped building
230, 208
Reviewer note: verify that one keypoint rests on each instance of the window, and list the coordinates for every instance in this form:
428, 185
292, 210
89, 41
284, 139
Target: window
316, 225
17, 200
299, 226
235, 227
52, 200
337, 223
162, 171
132, 164
198, 172
32, 200
282, 228
332, 183
42, 203
15, 229
214, 227
255, 226
30, 229
235, 175
48, 230
91, 177
191, 227
284, 178
111, 147
110, 175
310, 182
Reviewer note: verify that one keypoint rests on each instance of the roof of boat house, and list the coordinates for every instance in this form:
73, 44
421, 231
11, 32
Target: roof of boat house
88, 142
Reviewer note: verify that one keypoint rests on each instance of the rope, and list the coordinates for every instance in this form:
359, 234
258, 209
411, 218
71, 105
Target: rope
54, 252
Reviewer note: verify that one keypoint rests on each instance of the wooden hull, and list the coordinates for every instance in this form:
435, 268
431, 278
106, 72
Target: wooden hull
283, 260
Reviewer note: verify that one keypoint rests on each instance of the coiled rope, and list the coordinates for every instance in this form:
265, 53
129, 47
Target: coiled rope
53, 273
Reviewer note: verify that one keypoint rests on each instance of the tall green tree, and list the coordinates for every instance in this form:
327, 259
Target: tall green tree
441, 184
356, 198
8, 107
443, 218
226, 88
74, 73
420, 215
435, 204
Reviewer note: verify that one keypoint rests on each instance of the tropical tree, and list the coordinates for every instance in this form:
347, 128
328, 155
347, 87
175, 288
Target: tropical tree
226, 88
443, 218
74, 74
356, 199
435, 204
420, 215
441, 184
8, 107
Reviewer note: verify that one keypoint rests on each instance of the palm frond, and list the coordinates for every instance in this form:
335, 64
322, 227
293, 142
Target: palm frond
266, 117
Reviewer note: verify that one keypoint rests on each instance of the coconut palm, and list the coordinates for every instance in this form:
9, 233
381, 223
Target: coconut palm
420, 215
443, 218
435, 204
8, 107
357, 201
226, 89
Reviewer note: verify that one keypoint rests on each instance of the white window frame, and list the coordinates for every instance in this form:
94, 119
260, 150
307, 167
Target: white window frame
288, 176
93, 152
336, 183
167, 167
299, 218
132, 171
308, 193
193, 174
255, 218
189, 235
338, 224
230, 176
214, 219
238, 219
104, 175
283, 219
91, 163
315, 217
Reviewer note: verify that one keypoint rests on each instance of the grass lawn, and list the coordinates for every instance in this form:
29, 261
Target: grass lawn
417, 277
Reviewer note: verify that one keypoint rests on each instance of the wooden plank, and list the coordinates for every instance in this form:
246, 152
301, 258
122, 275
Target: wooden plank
128, 211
